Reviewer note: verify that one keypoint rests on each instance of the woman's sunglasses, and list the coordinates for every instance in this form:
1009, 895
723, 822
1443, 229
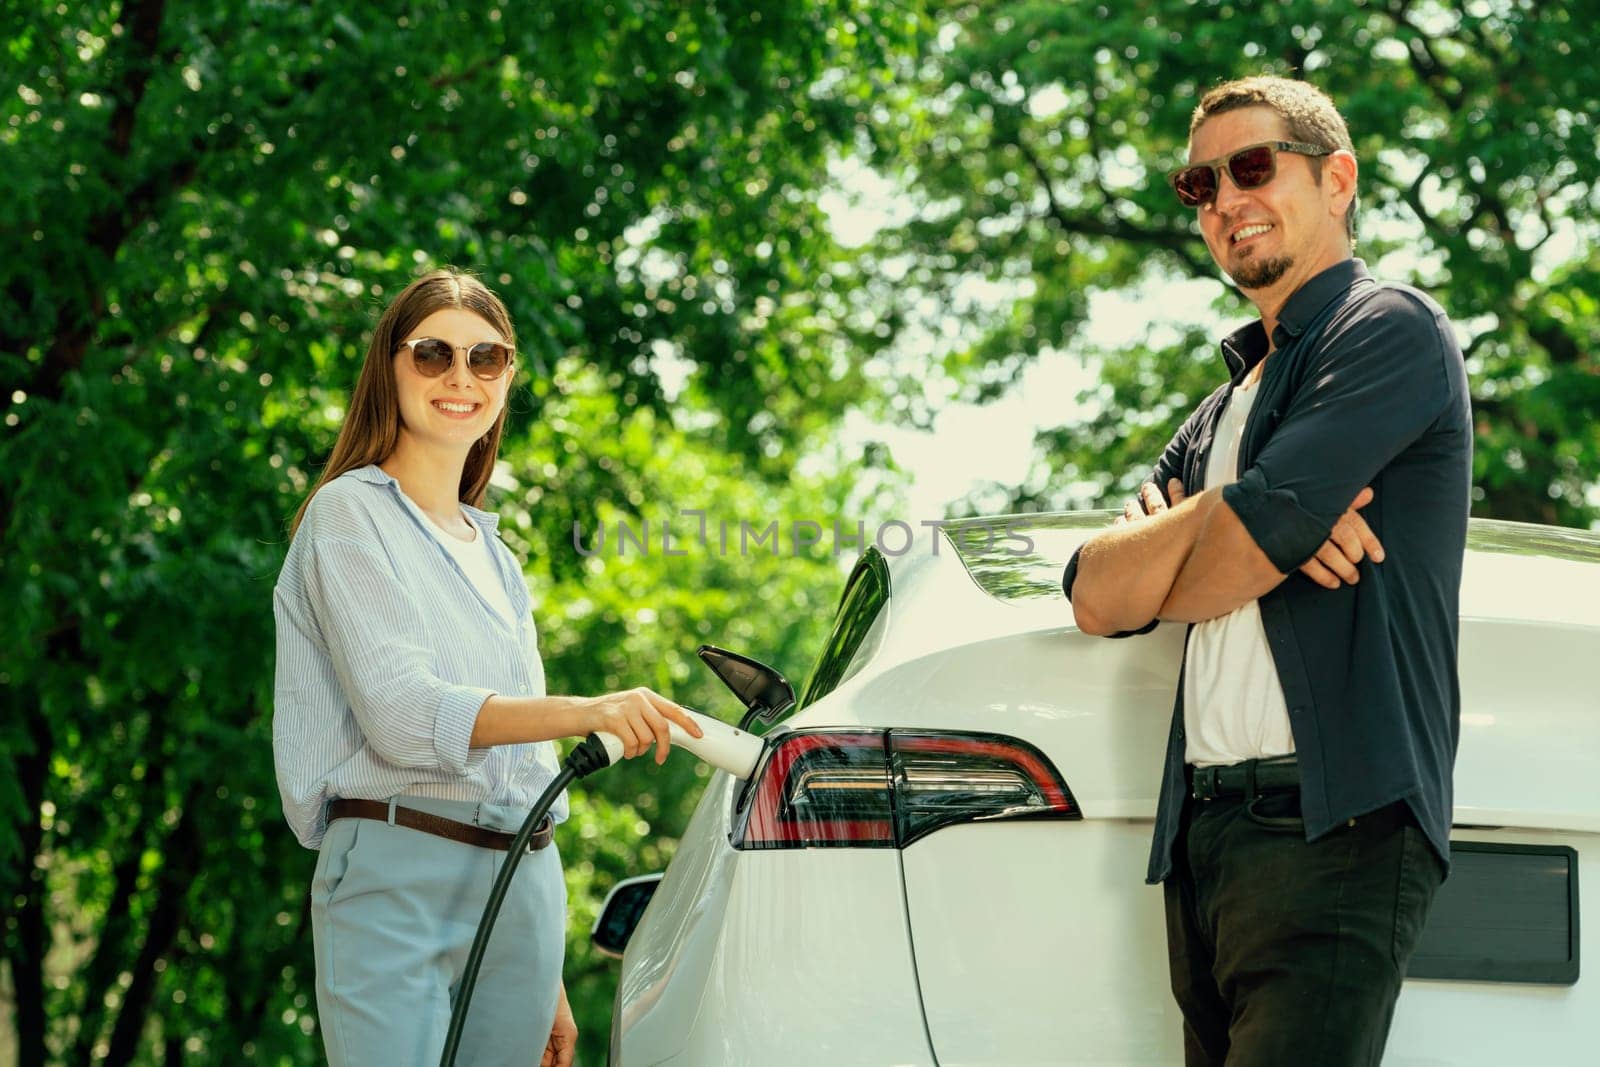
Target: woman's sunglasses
1250, 167
432, 357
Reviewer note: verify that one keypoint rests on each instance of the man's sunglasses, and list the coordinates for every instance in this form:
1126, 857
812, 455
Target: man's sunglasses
1250, 167
432, 357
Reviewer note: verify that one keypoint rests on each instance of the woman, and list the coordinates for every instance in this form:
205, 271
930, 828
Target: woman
411, 729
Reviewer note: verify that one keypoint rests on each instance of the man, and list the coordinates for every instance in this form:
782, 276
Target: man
1308, 520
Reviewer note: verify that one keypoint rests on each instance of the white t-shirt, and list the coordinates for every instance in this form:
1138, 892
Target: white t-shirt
476, 560
1233, 706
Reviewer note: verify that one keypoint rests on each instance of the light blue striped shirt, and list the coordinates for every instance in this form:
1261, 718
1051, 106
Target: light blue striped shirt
386, 651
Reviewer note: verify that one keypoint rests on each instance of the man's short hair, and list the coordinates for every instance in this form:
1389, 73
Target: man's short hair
1306, 110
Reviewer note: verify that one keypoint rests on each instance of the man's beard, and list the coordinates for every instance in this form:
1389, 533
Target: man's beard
1260, 273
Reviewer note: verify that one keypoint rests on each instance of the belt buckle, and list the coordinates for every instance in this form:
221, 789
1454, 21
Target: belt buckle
1205, 783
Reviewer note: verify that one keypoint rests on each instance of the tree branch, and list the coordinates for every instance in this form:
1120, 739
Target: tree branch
181, 852
76, 320
1118, 229
26, 949
1412, 195
1424, 62
465, 74
142, 31
1561, 345
262, 989
1478, 342
1436, 76
111, 951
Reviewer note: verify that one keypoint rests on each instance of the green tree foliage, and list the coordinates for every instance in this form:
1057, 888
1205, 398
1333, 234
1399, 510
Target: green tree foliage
207, 205
1035, 137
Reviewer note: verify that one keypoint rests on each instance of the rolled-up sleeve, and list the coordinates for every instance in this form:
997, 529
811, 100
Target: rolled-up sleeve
1378, 384
1070, 575
375, 639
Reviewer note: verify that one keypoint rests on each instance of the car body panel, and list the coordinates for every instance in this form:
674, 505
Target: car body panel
746, 958
1036, 945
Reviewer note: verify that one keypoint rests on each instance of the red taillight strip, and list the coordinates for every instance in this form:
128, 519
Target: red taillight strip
770, 822
1038, 771
764, 825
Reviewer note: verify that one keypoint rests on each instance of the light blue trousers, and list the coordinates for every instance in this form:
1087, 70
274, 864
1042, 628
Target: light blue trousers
393, 914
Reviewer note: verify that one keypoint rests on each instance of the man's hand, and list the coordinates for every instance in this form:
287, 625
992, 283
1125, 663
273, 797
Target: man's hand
1351, 540
1152, 500
563, 1043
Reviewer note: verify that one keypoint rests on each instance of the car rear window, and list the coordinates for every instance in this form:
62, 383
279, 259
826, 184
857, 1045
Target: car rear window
1021, 557
857, 629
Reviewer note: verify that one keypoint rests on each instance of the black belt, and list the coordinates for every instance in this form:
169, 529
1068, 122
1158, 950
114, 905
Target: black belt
437, 825
1281, 774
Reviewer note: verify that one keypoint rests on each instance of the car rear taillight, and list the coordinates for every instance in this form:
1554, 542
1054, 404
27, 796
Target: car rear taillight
888, 788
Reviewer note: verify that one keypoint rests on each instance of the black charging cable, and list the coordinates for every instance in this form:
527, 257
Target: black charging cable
589, 756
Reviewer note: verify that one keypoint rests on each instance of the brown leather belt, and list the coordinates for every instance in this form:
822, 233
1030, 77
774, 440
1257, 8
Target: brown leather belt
438, 825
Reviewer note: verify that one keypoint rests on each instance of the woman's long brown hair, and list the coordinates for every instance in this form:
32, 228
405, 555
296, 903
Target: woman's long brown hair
371, 429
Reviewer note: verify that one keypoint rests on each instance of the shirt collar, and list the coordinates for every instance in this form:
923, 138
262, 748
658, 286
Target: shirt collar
487, 521
1247, 346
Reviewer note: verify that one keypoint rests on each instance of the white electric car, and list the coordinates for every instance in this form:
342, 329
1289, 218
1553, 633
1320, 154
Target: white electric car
940, 859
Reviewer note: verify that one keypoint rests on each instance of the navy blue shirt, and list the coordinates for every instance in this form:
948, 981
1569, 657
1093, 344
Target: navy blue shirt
1366, 387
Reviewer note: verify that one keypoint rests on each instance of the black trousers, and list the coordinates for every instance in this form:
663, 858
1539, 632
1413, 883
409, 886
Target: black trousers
1288, 952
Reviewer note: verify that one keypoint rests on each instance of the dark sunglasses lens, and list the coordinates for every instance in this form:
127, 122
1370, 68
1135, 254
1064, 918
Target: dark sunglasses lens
1251, 168
432, 357
488, 359
1195, 185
